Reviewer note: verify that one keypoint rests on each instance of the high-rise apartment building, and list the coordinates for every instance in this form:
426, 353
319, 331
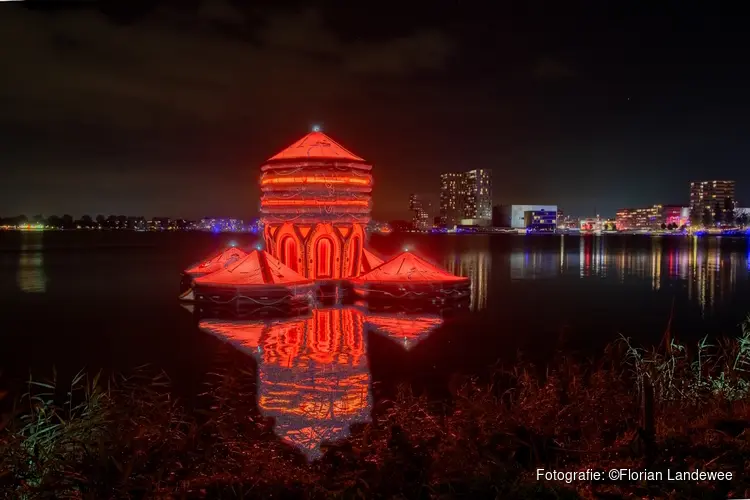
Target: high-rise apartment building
478, 187
716, 197
465, 195
420, 218
451, 198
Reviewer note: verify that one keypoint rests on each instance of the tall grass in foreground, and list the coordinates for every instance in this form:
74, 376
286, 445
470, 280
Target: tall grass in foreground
674, 407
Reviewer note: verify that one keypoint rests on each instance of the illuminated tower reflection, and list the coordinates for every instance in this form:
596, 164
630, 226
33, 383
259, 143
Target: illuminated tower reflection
313, 376
312, 372
31, 277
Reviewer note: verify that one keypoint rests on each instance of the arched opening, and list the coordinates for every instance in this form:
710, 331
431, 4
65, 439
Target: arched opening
289, 256
324, 258
355, 250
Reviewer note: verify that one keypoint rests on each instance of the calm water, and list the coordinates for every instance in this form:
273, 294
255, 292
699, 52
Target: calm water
108, 300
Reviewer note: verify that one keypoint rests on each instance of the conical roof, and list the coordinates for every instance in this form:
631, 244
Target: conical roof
244, 335
369, 261
218, 261
316, 145
407, 267
407, 329
257, 268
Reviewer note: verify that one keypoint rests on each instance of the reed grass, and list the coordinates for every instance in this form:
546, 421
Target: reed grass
127, 437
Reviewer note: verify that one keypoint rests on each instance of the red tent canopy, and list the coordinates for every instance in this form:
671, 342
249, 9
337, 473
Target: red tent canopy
216, 262
409, 268
369, 261
258, 268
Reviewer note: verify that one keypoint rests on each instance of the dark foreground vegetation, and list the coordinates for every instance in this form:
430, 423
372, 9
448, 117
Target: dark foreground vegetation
675, 407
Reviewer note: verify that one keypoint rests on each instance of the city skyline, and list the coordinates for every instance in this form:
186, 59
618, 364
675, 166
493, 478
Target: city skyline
170, 110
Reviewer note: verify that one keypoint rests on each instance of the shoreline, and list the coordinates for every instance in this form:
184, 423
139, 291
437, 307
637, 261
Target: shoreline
676, 409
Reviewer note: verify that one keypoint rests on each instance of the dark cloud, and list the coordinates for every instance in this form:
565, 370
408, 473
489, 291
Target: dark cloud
185, 88
75, 64
146, 105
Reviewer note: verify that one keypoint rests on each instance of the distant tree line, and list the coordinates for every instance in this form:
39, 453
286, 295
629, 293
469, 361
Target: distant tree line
87, 222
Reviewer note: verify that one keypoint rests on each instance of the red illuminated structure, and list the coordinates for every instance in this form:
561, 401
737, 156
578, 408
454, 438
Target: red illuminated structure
407, 276
316, 200
207, 266
256, 279
407, 330
369, 261
312, 372
218, 261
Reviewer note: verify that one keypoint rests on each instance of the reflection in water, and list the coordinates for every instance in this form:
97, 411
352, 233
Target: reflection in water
656, 263
31, 277
477, 266
408, 330
313, 376
709, 276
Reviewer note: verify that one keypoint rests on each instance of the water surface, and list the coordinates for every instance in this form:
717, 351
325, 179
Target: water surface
107, 300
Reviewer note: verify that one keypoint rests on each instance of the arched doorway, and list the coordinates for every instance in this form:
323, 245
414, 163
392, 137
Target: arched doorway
324, 258
288, 252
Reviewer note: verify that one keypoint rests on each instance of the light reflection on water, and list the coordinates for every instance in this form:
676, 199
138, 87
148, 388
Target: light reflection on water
477, 265
31, 277
709, 275
313, 376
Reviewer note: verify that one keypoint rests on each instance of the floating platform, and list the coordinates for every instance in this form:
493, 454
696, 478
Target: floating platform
409, 277
208, 266
258, 279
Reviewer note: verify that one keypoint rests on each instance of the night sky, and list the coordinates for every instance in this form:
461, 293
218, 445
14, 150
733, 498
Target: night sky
168, 108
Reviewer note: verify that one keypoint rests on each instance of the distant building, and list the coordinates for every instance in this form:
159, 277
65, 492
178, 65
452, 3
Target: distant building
540, 220
159, 223
568, 222
591, 224
475, 222
136, 223
478, 189
451, 199
716, 197
466, 196
220, 225
647, 218
629, 219
515, 216
675, 215
742, 216
420, 218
